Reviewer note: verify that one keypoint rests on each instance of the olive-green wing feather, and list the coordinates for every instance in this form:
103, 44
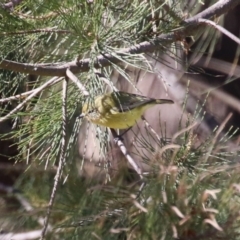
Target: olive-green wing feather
126, 102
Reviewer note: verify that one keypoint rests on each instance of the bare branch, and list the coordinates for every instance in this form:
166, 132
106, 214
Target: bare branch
221, 29
147, 124
23, 95
126, 154
76, 81
177, 134
33, 94
43, 30
22, 236
62, 158
190, 27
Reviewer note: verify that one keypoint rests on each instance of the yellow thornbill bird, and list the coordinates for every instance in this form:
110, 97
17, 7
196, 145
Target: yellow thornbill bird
118, 110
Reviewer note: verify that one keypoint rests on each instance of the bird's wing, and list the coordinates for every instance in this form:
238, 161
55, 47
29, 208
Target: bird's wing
126, 102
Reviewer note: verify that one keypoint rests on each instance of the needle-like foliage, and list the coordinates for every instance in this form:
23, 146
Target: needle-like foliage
187, 191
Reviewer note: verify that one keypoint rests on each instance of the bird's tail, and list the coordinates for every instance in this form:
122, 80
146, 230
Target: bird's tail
163, 101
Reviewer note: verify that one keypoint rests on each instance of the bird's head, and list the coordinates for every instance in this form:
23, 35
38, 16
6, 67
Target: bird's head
87, 108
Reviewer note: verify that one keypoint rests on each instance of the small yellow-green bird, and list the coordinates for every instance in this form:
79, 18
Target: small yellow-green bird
118, 110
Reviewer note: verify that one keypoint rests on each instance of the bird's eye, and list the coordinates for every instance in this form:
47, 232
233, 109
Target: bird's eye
91, 111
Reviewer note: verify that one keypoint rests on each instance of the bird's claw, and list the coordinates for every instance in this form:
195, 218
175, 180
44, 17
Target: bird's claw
118, 138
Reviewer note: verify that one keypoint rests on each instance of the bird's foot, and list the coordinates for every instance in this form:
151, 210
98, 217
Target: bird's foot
118, 138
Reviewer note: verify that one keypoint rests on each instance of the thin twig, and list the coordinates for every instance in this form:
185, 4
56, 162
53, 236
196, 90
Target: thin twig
22, 236
141, 189
22, 168
23, 95
221, 127
183, 131
226, 98
43, 30
75, 80
154, 25
189, 27
221, 29
45, 16
219, 130
33, 94
104, 79
150, 127
126, 154
61, 160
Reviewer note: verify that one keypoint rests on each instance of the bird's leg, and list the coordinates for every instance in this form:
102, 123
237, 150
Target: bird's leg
124, 132
118, 137
115, 135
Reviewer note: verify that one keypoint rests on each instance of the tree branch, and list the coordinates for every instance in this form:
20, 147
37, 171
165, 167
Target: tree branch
190, 26
123, 149
61, 160
32, 95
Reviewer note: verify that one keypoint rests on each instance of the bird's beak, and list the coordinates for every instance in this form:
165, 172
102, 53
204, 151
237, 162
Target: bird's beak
82, 115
